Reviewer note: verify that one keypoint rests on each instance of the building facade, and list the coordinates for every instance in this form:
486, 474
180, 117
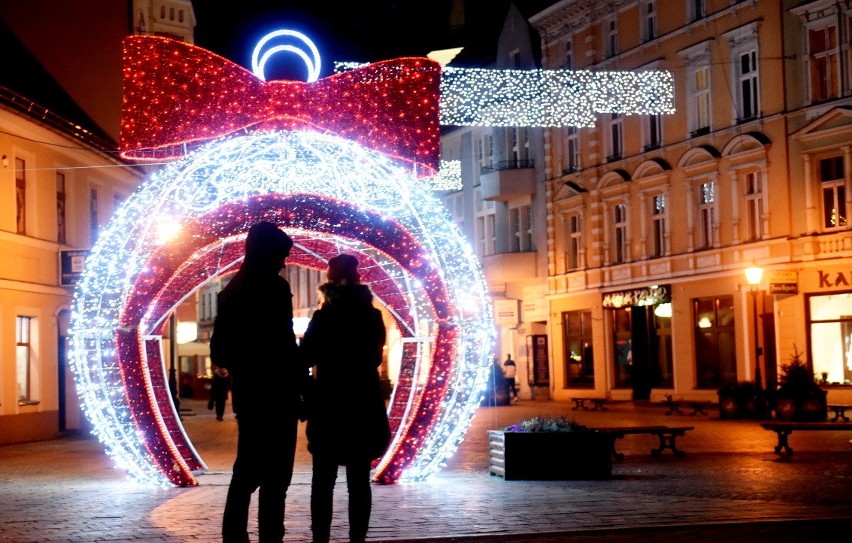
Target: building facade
654, 219
60, 181
500, 207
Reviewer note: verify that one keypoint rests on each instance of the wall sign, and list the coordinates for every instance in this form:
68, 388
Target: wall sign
652, 295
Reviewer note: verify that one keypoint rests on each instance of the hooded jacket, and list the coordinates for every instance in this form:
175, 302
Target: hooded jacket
253, 332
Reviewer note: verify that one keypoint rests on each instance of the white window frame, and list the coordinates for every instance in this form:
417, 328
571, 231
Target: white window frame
695, 9
706, 203
520, 228
574, 241
26, 359
836, 189
620, 233
611, 33
653, 131
830, 58
485, 226
659, 224
571, 136
745, 70
753, 183
569, 54
615, 138
649, 20
699, 84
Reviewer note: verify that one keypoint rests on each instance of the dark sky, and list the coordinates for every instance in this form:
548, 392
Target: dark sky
361, 31
365, 31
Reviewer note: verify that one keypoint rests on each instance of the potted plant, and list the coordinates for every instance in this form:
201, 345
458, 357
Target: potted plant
799, 397
742, 400
542, 448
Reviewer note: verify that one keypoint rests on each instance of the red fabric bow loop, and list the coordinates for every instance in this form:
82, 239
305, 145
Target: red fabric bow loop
177, 96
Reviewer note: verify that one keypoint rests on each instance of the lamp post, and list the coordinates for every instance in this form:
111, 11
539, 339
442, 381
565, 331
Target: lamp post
754, 274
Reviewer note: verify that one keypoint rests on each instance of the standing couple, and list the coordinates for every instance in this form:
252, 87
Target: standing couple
347, 421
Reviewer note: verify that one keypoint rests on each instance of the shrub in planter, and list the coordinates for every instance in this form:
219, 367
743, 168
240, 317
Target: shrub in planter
742, 400
550, 449
799, 397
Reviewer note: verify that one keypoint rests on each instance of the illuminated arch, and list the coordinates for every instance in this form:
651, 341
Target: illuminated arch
330, 195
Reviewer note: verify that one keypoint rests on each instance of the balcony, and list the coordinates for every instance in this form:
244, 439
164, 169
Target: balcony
506, 180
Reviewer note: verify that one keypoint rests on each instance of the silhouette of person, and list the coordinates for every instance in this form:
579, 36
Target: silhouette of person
509, 371
219, 386
253, 339
348, 422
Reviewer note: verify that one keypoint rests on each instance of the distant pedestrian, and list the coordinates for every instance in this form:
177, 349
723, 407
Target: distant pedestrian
253, 339
219, 387
347, 421
509, 372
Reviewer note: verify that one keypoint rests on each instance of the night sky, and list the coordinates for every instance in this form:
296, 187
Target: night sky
363, 31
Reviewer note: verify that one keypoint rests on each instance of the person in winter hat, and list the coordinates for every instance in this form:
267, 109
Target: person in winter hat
347, 421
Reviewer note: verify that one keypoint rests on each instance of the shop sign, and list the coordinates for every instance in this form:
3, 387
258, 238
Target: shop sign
835, 279
506, 312
71, 266
652, 295
783, 282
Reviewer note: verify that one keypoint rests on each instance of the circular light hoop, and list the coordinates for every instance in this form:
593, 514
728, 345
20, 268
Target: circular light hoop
323, 188
312, 63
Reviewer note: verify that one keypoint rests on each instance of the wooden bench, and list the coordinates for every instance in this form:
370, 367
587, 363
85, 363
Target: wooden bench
839, 411
666, 434
698, 407
597, 403
784, 429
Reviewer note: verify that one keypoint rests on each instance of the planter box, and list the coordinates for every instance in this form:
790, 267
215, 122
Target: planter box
550, 455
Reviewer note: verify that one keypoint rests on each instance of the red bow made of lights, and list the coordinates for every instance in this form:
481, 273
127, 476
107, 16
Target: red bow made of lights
177, 96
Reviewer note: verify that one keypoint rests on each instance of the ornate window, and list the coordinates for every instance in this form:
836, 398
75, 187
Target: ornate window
619, 237
61, 227
833, 183
21, 195
520, 226
658, 225
754, 205
575, 242
707, 214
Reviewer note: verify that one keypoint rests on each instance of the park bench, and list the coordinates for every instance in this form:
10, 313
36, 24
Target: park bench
666, 434
596, 403
784, 429
699, 407
839, 411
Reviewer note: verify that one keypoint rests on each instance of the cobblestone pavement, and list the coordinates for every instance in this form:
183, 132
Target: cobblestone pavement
730, 486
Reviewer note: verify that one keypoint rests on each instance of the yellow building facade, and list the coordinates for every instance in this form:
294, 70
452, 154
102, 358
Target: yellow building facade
654, 219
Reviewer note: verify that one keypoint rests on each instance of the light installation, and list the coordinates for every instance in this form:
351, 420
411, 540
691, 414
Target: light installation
338, 163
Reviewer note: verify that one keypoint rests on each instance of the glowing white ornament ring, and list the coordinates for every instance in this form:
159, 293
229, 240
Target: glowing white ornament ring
331, 195
312, 62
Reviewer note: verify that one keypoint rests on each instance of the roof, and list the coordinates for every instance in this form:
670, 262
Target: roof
25, 86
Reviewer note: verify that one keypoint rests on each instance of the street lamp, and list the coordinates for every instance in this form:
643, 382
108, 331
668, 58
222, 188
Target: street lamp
754, 274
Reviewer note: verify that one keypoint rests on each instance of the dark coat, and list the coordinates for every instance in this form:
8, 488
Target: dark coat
253, 339
344, 340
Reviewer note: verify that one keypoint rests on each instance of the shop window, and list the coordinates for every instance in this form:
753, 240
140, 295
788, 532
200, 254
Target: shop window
830, 326
579, 358
642, 343
715, 348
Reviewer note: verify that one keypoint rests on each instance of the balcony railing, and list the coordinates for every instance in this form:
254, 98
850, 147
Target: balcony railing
507, 165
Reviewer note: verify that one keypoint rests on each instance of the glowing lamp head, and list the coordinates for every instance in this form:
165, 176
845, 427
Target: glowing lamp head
754, 274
